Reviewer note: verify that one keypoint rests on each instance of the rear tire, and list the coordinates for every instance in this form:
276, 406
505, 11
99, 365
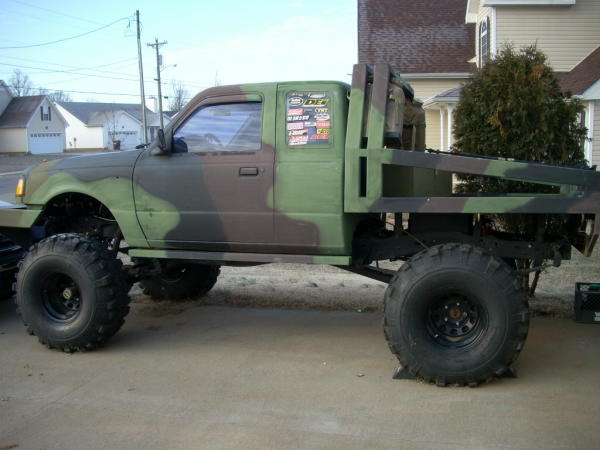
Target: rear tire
71, 292
179, 281
455, 314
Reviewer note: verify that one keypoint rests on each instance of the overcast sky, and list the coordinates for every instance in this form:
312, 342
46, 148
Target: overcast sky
233, 41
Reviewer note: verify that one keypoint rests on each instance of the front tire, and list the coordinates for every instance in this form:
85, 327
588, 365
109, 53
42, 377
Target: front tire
455, 314
71, 292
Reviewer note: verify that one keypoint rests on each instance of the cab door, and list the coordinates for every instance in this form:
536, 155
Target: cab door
214, 191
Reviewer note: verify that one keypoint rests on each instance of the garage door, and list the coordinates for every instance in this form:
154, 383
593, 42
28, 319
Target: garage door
45, 143
129, 139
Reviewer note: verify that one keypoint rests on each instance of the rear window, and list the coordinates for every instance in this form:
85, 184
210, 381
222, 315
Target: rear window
308, 118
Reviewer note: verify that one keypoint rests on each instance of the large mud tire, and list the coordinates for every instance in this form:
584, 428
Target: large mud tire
71, 292
180, 281
455, 314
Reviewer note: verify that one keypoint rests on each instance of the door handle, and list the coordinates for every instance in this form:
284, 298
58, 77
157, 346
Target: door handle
248, 171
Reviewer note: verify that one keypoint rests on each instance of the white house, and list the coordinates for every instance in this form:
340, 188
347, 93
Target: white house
435, 45
30, 124
106, 125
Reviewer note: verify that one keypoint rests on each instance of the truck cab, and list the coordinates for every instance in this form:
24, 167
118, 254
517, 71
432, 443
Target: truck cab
253, 168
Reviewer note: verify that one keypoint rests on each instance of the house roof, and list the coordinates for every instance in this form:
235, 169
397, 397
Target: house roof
416, 36
5, 86
90, 112
583, 75
449, 96
453, 93
19, 111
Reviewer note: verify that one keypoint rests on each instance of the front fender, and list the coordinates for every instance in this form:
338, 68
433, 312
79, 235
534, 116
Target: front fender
114, 192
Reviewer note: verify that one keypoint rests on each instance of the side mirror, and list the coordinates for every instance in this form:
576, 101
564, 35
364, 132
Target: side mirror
162, 142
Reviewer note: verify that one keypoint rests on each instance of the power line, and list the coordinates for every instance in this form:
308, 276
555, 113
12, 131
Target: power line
69, 71
90, 92
92, 68
68, 38
87, 75
56, 12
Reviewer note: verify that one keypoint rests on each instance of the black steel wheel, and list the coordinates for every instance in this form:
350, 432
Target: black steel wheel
455, 320
71, 292
179, 281
455, 314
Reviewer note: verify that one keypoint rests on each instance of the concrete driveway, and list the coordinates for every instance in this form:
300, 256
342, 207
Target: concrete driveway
192, 376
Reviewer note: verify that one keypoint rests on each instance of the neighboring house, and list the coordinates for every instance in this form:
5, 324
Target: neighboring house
567, 31
30, 124
106, 125
428, 42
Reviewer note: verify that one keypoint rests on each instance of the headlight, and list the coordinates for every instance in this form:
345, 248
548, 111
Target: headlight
20, 189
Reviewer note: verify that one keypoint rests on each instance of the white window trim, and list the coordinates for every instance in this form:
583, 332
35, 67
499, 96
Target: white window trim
492, 34
589, 124
450, 137
442, 128
487, 22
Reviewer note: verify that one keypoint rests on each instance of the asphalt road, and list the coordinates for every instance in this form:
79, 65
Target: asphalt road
191, 376
11, 163
7, 187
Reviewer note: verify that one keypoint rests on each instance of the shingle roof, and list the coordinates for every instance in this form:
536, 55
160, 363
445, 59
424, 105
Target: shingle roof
88, 112
450, 93
19, 111
416, 36
583, 75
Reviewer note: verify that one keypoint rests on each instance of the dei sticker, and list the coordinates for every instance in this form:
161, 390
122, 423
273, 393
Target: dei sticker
308, 118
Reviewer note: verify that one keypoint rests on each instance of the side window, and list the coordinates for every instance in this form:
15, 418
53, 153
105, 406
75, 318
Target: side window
484, 42
228, 127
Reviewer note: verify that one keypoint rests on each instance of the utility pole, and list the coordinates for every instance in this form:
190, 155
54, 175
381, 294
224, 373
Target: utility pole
157, 45
142, 94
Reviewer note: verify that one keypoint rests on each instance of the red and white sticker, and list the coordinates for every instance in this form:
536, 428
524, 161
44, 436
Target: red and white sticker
323, 125
298, 140
295, 111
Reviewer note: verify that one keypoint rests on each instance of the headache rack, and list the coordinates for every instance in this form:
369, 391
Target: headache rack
382, 169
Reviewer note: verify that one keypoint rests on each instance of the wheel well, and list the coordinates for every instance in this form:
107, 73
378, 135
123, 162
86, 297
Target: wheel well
78, 213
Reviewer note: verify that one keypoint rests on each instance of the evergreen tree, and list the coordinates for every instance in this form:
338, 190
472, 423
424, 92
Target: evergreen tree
513, 107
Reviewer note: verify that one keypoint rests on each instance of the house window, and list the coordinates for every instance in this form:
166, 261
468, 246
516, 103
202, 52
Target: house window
45, 113
484, 42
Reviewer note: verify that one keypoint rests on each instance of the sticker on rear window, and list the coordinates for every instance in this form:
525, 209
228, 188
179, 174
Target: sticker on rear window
308, 118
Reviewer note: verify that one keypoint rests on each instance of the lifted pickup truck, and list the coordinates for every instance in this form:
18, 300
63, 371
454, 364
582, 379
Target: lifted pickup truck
302, 172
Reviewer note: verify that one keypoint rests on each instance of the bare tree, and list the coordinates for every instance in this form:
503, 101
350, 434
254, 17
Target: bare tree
55, 96
178, 98
20, 84
111, 124
59, 96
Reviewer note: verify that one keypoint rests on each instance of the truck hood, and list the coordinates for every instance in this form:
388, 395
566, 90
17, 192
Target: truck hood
78, 174
99, 161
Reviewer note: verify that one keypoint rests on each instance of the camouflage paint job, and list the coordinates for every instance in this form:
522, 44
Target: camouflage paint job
304, 203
